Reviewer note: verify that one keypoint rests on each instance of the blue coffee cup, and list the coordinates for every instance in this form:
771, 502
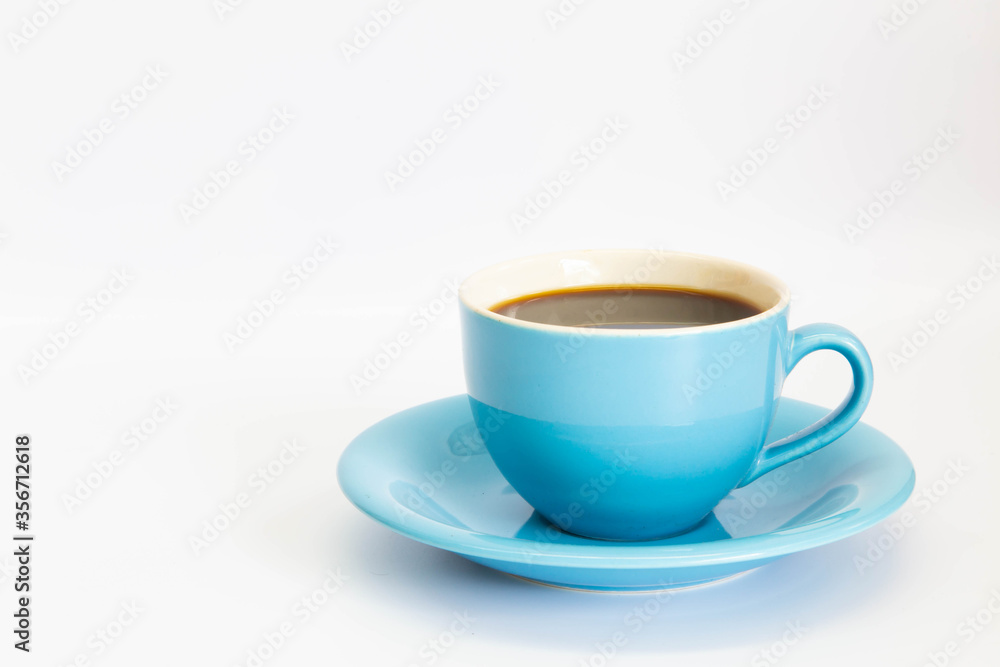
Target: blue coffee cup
637, 434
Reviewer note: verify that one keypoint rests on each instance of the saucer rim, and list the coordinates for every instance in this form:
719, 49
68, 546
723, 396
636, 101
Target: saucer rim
617, 555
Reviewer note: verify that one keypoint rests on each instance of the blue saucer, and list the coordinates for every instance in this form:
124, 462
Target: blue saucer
425, 473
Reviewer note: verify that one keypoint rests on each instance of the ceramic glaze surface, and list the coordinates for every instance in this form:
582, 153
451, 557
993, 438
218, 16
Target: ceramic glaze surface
637, 434
425, 473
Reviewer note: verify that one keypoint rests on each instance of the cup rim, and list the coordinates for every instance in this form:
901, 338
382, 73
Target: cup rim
483, 275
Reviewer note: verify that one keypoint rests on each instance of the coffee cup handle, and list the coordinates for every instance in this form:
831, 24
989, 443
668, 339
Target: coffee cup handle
805, 340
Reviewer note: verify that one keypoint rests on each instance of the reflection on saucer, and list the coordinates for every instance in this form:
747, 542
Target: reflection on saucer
410, 497
827, 509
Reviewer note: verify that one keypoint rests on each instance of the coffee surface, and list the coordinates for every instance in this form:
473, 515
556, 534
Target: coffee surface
626, 307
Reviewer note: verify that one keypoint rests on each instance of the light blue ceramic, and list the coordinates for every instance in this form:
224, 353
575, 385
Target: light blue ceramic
425, 473
638, 434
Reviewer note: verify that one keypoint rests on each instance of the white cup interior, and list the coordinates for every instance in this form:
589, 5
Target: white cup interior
584, 268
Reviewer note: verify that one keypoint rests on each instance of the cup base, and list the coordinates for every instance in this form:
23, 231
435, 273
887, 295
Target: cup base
645, 590
706, 529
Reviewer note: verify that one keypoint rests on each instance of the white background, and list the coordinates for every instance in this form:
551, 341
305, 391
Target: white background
163, 336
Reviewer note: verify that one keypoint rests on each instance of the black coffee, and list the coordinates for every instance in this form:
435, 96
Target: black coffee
627, 307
